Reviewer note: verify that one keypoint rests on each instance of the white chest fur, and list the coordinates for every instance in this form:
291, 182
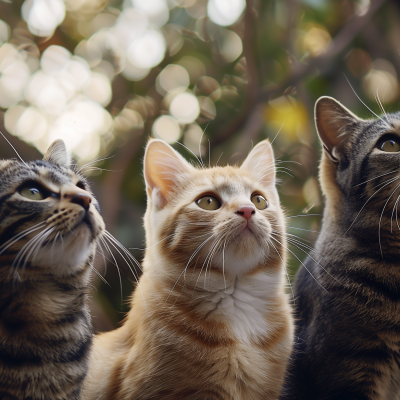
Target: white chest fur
244, 304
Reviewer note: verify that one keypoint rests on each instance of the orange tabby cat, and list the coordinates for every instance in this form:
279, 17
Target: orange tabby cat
210, 318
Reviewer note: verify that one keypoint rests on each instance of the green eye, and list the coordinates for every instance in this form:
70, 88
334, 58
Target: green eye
389, 144
259, 201
208, 203
32, 192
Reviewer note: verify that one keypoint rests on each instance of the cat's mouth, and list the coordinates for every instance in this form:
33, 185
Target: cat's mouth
247, 230
86, 222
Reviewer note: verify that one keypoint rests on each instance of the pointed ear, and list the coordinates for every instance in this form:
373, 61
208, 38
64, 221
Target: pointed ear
57, 154
333, 121
162, 168
261, 163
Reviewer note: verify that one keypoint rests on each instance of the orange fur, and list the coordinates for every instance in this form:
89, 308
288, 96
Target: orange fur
214, 326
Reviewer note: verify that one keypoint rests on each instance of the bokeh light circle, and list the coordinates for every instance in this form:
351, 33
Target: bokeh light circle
4, 32
185, 108
171, 77
225, 12
98, 89
148, 50
43, 16
166, 128
156, 10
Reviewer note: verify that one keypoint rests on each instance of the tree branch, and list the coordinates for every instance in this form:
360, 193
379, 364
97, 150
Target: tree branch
339, 44
251, 97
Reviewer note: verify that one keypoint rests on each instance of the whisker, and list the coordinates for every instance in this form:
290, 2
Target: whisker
223, 264
201, 138
187, 148
377, 116
112, 243
16, 152
366, 204
94, 161
219, 159
298, 259
380, 219
190, 259
304, 215
99, 275
20, 235
284, 266
376, 177
380, 103
115, 261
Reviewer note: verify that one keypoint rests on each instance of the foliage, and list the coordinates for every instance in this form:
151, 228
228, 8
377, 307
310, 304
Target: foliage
217, 76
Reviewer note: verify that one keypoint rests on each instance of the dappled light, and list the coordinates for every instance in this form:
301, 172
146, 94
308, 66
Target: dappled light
210, 77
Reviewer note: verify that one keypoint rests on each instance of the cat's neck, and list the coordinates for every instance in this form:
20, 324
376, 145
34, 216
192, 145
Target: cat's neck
373, 236
43, 297
239, 302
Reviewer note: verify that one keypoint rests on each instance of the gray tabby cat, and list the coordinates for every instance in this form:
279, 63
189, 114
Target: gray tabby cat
348, 307
49, 225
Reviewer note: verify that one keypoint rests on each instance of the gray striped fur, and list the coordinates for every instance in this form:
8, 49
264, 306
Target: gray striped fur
45, 326
348, 304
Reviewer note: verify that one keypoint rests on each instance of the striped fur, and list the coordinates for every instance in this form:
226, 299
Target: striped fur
348, 330
209, 318
46, 248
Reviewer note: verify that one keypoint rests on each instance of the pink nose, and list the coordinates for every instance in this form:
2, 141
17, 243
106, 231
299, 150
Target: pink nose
246, 211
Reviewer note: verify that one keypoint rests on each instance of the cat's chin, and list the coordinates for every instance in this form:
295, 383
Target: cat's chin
65, 256
238, 260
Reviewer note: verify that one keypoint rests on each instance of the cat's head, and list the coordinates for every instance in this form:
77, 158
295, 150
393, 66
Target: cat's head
49, 218
360, 166
222, 219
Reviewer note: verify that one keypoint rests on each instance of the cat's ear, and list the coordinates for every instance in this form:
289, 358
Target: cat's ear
334, 122
162, 168
261, 163
57, 154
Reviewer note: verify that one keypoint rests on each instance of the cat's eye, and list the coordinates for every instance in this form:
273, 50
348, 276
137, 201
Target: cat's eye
259, 201
389, 143
33, 191
208, 202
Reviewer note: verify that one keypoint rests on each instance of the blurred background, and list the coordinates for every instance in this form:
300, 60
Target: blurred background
215, 75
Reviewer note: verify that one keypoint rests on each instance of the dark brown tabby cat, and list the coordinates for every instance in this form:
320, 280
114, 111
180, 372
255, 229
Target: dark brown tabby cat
49, 224
348, 307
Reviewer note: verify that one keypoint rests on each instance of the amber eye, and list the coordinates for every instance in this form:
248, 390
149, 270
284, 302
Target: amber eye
259, 201
33, 191
389, 143
208, 203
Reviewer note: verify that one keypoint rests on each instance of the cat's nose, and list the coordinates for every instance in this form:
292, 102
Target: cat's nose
82, 199
246, 211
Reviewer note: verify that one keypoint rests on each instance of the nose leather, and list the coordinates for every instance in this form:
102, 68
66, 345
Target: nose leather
82, 199
246, 211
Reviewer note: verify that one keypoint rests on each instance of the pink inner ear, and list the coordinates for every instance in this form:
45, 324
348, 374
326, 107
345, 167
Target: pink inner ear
261, 163
331, 119
162, 168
